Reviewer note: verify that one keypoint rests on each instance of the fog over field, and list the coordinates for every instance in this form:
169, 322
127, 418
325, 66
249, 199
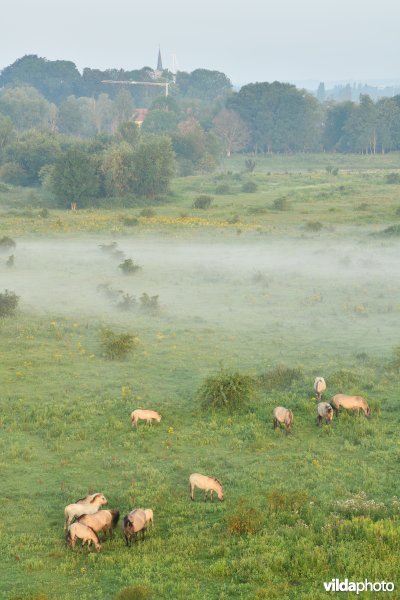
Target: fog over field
318, 288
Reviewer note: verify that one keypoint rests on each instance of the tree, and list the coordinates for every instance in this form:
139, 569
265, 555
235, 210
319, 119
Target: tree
123, 108
203, 84
55, 80
232, 130
335, 120
6, 131
26, 107
128, 132
118, 168
31, 151
279, 116
154, 163
74, 177
159, 121
70, 118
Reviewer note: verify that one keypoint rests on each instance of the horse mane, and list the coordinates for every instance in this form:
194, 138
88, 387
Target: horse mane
94, 498
217, 480
80, 500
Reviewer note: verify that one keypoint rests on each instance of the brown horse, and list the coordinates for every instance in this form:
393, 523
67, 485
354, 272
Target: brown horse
283, 416
208, 484
324, 411
355, 403
134, 523
84, 533
102, 521
84, 506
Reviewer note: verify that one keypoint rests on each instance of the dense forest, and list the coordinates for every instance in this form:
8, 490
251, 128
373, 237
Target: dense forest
82, 139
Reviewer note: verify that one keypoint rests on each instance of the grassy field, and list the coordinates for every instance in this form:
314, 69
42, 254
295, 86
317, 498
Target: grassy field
297, 279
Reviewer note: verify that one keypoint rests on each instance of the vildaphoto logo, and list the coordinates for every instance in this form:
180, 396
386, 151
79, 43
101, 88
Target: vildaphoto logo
358, 586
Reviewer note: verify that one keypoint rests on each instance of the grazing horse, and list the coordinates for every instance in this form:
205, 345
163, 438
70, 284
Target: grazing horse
208, 484
350, 403
283, 416
103, 520
84, 533
319, 387
324, 411
134, 523
83, 507
147, 415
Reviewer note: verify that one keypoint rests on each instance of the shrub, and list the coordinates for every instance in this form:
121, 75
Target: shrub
14, 173
245, 520
280, 377
392, 178
313, 226
222, 189
135, 592
127, 303
393, 230
292, 501
203, 202
229, 390
43, 213
8, 303
6, 243
117, 345
250, 164
128, 267
234, 219
149, 303
10, 261
249, 187
130, 221
280, 203
147, 212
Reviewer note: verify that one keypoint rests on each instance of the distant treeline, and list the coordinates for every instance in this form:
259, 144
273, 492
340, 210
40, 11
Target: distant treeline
54, 119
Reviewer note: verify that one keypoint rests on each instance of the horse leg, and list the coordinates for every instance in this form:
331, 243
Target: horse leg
205, 496
275, 424
126, 540
212, 495
318, 420
191, 490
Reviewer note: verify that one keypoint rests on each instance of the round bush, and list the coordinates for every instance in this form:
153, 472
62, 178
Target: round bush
249, 187
135, 592
203, 202
226, 390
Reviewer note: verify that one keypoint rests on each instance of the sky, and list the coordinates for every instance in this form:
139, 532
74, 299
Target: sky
252, 40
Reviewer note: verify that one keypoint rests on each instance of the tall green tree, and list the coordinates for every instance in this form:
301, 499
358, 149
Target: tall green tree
75, 177
26, 108
154, 164
32, 150
203, 84
118, 166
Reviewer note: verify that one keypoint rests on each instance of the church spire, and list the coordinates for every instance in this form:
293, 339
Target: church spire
159, 61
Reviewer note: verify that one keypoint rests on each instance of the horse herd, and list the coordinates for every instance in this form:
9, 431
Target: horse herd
284, 416
84, 519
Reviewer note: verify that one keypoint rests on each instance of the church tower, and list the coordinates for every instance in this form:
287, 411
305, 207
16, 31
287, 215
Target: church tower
159, 61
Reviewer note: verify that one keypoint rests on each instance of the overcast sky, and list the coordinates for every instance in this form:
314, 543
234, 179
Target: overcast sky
252, 40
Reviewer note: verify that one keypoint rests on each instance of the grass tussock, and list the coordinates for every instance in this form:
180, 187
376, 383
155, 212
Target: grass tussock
226, 390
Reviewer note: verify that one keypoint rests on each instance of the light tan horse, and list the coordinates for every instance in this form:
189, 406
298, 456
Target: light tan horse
88, 507
102, 521
146, 415
319, 387
283, 416
324, 411
134, 523
350, 403
84, 533
208, 484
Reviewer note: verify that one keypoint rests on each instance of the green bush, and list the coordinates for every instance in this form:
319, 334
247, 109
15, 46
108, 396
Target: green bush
130, 221
393, 230
117, 345
392, 178
8, 303
128, 267
147, 212
281, 203
250, 164
222, 189
313, 226
228, 390
245, 520
280, 377
249, 187
127, 303
292, 501
203, 202
149, 303
135, 592
6, 243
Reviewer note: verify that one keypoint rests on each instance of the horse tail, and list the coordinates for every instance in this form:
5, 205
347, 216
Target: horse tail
115, 517
68, 537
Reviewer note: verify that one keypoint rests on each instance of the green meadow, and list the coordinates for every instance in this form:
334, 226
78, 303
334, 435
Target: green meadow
297, 277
